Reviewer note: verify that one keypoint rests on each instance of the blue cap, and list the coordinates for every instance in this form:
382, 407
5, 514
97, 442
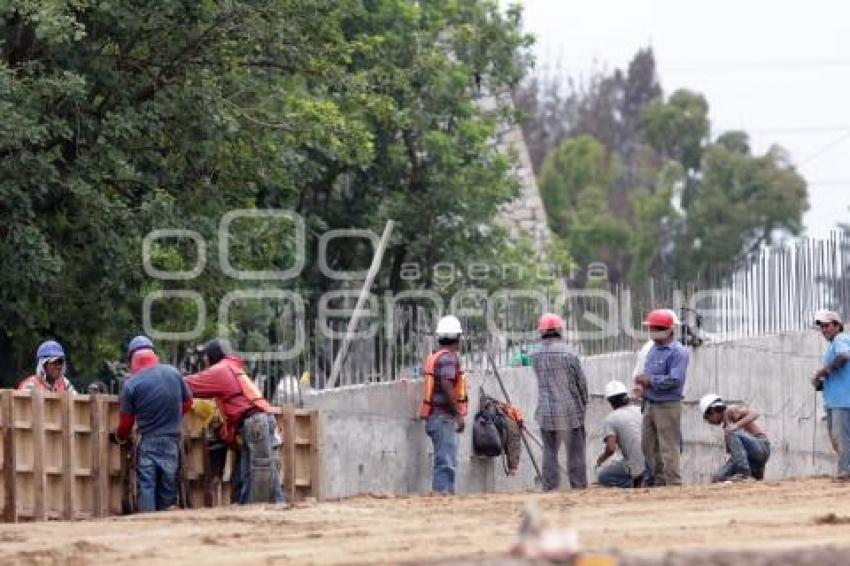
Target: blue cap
49, 349
139, 343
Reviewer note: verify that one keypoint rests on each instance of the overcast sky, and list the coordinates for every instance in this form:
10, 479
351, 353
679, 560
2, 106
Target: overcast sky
777, 69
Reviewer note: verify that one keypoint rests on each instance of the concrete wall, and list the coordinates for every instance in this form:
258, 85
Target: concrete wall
373, 442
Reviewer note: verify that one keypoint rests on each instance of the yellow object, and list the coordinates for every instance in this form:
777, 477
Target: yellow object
205, 410
595, 560
305, 378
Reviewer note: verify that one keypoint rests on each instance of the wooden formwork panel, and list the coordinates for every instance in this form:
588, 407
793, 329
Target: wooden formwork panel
57, 461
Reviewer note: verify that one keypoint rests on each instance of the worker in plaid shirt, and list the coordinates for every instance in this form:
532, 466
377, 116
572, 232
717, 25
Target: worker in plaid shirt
561, 404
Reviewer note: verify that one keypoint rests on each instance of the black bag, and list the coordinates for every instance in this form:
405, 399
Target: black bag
486, 433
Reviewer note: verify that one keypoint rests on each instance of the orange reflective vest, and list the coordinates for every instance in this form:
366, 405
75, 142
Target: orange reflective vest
427, 406
35, 382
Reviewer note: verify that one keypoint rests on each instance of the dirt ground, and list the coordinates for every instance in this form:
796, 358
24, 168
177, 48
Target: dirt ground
647, 526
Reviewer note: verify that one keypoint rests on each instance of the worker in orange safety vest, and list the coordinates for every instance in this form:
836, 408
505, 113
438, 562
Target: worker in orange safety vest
444, 403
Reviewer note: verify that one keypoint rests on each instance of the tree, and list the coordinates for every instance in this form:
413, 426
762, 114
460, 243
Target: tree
636, 181
123, 117
742, 203
575, 185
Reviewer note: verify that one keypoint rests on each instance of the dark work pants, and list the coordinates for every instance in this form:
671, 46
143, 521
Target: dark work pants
574, 441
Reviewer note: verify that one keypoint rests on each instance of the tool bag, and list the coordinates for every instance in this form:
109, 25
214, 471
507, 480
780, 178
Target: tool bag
487, 436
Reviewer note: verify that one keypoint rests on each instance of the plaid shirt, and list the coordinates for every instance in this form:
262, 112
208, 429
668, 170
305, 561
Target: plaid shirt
561, 386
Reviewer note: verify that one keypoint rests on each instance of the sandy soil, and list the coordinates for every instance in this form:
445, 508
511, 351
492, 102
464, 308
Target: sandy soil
641, 525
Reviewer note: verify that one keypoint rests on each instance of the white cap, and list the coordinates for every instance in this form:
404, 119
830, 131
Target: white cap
708, 401
614, 388
827, 316
449, 327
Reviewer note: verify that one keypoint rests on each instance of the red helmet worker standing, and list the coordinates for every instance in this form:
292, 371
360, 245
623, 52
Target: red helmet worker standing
663, 384
561, 404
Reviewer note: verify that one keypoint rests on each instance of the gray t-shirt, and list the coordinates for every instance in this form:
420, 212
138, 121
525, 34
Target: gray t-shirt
625, 424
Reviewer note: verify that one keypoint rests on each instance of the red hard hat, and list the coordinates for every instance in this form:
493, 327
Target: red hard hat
662, 318
550, 321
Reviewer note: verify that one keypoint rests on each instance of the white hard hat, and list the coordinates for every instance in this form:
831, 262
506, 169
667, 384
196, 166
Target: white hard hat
827, 316
708, 401
614, 388
449, 327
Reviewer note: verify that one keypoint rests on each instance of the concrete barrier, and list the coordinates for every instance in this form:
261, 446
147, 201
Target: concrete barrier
372, 441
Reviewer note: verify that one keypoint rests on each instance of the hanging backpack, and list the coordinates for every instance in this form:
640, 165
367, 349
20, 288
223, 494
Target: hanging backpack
486, 433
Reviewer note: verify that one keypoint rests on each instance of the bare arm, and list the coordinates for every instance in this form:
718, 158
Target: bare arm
610, 449
740, 417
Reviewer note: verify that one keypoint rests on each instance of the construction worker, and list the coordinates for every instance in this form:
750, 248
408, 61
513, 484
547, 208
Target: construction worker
621, 430
444, 403
154, 398
249, 427
834, 380
561, 404
746, 442
662, 384
49, 376
640, 360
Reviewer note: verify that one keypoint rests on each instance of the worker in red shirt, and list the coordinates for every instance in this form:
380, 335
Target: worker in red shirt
249, 428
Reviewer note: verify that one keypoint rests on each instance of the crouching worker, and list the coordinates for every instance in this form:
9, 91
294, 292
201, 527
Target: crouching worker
746, 441
154, 398
249, 427
621, 430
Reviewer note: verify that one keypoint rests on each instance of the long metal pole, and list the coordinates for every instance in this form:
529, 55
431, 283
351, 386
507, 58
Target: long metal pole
364, 293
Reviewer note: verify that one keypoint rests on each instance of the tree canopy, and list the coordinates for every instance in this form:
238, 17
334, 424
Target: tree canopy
636, 180
122, 117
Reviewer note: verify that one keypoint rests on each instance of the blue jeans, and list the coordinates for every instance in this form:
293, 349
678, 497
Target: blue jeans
838, 424
156, 472
748, 456
443, 432
259, 454
615, 474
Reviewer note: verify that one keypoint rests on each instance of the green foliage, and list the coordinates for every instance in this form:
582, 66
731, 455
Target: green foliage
677, 129
634, 180
121, 117
575, 182
741, 203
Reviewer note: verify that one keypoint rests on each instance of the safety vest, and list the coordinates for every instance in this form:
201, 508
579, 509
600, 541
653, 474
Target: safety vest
427, 406
35, 381
228, 431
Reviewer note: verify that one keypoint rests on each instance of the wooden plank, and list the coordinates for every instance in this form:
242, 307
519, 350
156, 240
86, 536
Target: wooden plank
288, 455
67, 458
99, 465
315, 456
10, 507
39, 478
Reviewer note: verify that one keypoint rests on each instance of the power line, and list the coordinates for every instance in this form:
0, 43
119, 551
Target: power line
828, 182
799, 129
834, 143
